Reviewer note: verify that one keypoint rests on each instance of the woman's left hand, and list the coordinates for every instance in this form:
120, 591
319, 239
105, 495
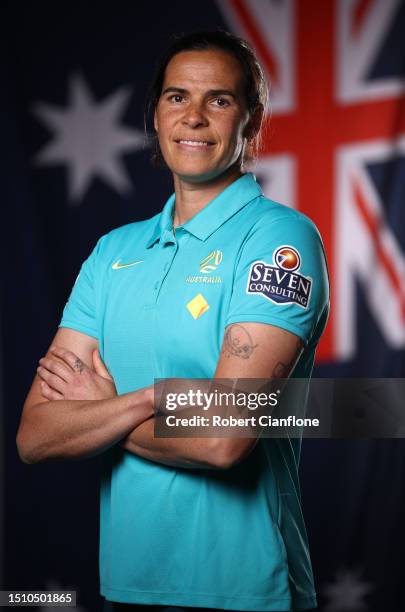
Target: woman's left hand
65, 376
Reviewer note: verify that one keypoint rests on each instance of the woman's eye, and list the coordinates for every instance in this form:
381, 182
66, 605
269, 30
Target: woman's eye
221, 102
176, 98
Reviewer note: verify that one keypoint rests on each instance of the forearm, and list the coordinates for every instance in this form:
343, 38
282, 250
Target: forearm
177, 452
72, 429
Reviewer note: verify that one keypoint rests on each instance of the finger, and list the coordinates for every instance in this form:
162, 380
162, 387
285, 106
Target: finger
100, 366
49, 393
53, 380
57, 367
70, 358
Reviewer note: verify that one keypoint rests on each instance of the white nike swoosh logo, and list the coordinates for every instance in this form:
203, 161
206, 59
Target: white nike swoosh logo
117, 265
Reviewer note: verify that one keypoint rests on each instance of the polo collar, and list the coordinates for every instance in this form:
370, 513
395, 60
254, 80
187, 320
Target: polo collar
163, 229
213, 215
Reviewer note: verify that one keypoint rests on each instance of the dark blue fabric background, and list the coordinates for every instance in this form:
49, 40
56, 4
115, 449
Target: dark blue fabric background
353, 492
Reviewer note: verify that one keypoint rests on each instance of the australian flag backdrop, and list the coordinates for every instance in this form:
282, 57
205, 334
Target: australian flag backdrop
76, 164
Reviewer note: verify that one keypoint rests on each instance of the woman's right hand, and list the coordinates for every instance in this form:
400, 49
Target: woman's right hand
65, 376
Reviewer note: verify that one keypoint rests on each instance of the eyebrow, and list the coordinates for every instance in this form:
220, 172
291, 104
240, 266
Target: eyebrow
210, 92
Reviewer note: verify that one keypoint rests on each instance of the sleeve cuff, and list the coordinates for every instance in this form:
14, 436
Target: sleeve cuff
80, 328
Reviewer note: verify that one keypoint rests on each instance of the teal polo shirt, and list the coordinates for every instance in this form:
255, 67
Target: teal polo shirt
158, 300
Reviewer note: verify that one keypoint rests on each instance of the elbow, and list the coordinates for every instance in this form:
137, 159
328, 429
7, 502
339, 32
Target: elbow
26, 451
228, 452
22, 449
26, 458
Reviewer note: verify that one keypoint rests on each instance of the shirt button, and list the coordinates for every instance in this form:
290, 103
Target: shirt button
156, 285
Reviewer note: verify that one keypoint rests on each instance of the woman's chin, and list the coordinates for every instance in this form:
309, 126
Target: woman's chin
197, 177
206, 175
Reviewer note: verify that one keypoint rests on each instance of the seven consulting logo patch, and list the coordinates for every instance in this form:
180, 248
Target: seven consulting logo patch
281, 282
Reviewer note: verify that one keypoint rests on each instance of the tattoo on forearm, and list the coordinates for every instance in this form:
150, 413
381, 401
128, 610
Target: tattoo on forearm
78, 365
238, 342
282, 370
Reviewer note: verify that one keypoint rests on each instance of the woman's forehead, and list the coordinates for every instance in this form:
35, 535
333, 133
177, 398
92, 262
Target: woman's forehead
213, 68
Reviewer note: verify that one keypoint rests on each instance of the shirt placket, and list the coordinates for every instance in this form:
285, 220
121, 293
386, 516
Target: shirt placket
168, 252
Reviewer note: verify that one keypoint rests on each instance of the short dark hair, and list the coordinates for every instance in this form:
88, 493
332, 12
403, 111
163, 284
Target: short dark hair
256, 88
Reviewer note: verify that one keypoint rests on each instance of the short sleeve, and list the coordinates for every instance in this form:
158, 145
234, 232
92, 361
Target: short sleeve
80, 312
281, 277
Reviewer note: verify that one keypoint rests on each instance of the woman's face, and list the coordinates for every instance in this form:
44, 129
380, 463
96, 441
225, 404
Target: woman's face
201, 115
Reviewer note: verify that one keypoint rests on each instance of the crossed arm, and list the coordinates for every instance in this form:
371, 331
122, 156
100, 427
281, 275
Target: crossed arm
72, 409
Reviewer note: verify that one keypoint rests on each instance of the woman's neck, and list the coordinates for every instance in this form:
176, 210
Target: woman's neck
193, 197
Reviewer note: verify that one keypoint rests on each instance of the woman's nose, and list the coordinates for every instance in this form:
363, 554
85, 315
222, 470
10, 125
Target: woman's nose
194, 116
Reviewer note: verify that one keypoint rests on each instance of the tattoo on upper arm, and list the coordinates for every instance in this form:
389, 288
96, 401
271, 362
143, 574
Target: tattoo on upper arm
78, 365
282, 370
238, 342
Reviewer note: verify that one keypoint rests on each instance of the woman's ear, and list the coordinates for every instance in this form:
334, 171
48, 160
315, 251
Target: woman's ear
253, 125
155, 124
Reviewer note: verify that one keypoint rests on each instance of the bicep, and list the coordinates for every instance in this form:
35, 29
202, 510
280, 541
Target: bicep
80, 344
255, 351
258, 350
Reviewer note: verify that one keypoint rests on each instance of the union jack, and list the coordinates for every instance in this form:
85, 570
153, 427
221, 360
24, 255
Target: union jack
335, 114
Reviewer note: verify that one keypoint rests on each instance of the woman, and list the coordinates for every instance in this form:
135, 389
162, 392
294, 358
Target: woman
222, 283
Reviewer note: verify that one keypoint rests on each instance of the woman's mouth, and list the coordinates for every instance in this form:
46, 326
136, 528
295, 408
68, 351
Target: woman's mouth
195, 144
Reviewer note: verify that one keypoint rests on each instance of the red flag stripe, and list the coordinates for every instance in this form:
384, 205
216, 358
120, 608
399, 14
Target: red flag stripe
375, 225
253, 34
